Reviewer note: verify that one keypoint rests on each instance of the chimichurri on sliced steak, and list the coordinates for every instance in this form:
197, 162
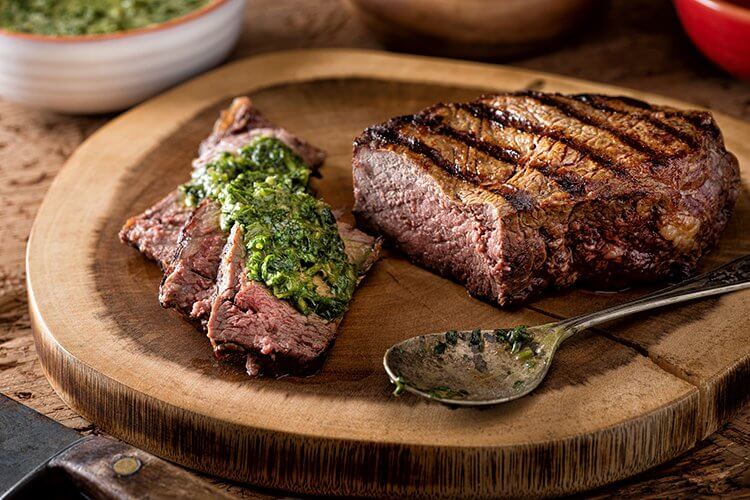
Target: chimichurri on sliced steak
258, 262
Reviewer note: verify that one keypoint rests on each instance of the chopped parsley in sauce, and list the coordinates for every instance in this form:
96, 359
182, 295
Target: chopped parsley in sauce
520, 342
292, 240
89, 17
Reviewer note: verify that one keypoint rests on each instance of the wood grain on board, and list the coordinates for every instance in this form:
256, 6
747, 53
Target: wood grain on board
609, 409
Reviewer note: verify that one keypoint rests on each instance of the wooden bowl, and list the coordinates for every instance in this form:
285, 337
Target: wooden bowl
474, 28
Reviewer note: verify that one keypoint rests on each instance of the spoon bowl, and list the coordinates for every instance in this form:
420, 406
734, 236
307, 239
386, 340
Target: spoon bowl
487, 367
475, 367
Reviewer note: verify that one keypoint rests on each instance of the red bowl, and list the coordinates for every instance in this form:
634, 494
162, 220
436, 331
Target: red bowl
721, 30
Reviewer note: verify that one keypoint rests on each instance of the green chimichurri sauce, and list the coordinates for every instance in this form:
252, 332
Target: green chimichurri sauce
89, 17
520, 342
292, 241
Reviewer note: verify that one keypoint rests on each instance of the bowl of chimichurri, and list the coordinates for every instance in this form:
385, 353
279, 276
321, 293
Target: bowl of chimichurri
95, 56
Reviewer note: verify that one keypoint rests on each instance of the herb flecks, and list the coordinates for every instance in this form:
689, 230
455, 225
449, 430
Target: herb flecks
520, 342
266, 161
451, 337
525, 354
291, 238
439, 348
476, 341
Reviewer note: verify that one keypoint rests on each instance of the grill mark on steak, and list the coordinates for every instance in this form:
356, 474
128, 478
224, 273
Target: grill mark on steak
702, 121
388, 134
570, 182
436, 125
504, 119
636, 103
597, 103
519, 199
655, 156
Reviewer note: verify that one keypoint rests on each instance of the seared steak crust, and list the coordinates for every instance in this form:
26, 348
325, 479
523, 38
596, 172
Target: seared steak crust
513, 193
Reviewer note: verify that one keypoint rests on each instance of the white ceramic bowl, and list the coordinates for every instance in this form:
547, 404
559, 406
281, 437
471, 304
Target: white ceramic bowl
102, 73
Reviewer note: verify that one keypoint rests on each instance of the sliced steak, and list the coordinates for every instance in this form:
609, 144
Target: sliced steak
190, 253
514, 193
248, 323
190, 278
155, 232
242, 122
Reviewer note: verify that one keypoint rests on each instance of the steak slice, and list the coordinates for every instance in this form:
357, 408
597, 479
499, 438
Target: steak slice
155, 232
248, 323
242, 122
190, 279
188, 247
514, 193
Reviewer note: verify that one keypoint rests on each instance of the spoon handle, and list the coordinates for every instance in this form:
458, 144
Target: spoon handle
730, 277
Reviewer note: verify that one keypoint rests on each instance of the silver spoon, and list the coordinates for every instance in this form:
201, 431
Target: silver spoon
487, 367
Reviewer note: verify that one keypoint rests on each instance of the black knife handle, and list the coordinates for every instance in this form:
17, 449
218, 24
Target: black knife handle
103, 468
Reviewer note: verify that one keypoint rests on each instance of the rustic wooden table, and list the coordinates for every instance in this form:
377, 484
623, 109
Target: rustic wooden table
639, 44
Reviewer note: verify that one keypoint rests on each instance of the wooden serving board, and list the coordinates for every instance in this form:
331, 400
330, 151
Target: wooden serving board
617, 400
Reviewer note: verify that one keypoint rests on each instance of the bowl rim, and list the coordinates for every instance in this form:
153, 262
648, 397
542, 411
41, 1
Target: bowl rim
723, 7
170, 23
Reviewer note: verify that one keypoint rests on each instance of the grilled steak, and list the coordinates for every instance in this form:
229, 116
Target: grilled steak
514, 193
188, 243
248, 322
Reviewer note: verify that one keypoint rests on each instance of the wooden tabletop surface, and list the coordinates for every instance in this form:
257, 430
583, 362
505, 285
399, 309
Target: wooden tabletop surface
639, 44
